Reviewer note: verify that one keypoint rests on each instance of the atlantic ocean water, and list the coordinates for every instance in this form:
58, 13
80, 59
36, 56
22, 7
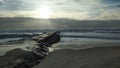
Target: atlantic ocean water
70, 39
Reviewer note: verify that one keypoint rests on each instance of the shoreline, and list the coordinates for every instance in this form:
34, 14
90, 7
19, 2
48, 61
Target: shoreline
97, 57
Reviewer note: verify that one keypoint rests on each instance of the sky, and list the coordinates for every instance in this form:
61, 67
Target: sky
73, 9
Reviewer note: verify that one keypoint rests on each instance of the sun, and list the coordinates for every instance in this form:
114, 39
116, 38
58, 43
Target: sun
43, 12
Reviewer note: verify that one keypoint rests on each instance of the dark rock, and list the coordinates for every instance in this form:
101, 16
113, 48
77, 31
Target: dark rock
37, 54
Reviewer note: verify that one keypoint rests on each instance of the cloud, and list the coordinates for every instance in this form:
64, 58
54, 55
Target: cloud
109, 14
1, 2
111, 1
77, 5
79, 9
13, 5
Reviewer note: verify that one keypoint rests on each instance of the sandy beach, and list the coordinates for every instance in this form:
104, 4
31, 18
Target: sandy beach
98, 57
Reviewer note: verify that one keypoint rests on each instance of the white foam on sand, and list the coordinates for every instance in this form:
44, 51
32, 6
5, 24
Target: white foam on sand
5, 49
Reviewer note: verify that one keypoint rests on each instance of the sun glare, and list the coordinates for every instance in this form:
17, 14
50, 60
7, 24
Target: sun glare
43, 12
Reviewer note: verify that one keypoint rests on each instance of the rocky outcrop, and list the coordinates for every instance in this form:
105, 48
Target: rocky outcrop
26, 59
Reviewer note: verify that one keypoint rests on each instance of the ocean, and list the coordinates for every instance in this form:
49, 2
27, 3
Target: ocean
70, 39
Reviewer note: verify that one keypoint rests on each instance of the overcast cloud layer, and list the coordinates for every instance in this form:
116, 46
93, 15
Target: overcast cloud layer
77, 9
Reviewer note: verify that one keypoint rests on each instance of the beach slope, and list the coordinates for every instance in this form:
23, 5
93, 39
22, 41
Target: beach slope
98, 57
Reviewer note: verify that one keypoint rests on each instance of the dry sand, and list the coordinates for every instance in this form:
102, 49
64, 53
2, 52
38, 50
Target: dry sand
99, 57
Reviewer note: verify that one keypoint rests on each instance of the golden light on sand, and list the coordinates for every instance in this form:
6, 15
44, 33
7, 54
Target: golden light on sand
43, 12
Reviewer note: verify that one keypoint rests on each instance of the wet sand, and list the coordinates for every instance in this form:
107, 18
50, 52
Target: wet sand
98, 57
11, 56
